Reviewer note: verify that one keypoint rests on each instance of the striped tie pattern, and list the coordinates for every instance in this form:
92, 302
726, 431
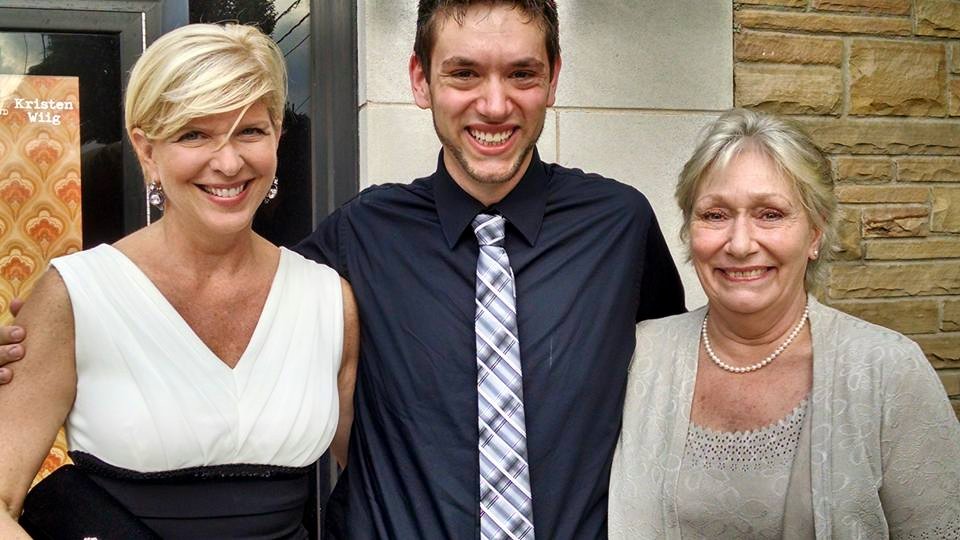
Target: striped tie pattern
506, 509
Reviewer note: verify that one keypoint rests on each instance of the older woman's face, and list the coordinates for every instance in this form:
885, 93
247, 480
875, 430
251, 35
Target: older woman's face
215, 174
750, 237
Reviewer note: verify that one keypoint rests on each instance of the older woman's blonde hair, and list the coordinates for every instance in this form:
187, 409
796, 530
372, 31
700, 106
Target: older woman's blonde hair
204, 69
798, 160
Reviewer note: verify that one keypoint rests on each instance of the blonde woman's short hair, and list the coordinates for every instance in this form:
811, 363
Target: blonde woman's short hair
204, 69
788, 147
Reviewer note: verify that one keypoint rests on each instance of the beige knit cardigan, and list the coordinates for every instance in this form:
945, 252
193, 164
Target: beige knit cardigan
880, 457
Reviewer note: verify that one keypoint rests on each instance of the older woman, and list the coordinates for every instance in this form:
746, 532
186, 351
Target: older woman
196, 365
766, 414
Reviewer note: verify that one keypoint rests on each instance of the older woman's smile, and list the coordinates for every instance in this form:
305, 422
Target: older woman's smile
745, 274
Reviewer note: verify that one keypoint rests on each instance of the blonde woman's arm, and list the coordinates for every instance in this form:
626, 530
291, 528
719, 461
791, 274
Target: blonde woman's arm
35, 406
347, 376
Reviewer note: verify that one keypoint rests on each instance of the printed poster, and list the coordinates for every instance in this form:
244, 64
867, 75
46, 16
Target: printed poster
39, 189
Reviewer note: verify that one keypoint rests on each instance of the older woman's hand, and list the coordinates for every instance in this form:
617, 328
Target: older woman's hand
10, 348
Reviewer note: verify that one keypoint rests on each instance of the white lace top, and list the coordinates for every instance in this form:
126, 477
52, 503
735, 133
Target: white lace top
734, 484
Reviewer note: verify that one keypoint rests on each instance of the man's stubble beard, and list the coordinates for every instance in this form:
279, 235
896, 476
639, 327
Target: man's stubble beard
459, 155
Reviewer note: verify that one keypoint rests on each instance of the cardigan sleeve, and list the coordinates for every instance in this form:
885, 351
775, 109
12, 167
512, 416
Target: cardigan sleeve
920, 450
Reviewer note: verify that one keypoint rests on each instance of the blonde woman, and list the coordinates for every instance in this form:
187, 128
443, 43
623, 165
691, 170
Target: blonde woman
765, 414
195, 364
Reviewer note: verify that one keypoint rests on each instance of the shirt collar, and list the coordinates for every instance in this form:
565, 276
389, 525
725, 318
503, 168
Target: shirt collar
523, 207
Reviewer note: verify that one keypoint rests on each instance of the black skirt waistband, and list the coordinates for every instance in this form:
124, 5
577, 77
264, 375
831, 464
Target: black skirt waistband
254, 499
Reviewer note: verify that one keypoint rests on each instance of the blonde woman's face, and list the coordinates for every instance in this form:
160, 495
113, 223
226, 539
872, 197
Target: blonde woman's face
750, 238
216, 170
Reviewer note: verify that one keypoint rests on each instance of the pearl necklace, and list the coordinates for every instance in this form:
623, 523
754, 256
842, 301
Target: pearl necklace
747, 369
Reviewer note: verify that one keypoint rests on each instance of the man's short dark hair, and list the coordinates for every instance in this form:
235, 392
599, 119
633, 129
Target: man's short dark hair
429, 11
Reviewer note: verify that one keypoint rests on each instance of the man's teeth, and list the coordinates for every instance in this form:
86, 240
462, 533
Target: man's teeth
484, 137
225, 192
746, 273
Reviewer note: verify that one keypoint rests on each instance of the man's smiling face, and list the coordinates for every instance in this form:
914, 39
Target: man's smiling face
489, 87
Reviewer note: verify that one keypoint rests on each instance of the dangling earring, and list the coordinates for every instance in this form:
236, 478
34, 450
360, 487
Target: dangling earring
272, 192
155, 195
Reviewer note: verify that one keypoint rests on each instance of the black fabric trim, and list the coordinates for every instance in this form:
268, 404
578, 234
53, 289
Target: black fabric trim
93, 465
68, 504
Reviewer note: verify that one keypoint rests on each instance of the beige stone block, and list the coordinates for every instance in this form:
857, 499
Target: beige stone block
943, 350
384, 157
645, 54
787, 48
881, 194
784, 3
928, 169
956, 407
951, 318
955, 57
822, 22
884, 136
897, 78
905, 316
385, 42
927, 248
864, 169
848, 234
946, 210
938, 18
887, 7
955, 97
788, 89
893, 280
951, 381
898, 221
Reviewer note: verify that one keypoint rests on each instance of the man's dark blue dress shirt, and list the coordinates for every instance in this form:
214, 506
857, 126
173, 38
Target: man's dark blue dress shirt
589, 261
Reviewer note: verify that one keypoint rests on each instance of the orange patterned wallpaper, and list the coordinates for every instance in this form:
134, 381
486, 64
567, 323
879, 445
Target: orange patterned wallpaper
39, 188
39, 178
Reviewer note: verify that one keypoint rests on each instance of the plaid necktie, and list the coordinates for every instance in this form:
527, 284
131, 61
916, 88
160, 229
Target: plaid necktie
506, 509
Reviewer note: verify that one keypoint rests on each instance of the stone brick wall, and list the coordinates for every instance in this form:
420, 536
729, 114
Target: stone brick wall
877, 83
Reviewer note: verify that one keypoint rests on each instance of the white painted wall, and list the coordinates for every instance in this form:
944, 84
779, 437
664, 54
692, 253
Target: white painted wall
640, 78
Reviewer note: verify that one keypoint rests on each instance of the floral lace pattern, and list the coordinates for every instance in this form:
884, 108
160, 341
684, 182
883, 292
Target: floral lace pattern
770, 447
734, 484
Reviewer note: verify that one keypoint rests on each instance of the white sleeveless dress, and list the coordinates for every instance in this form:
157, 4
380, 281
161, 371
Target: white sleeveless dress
152, 397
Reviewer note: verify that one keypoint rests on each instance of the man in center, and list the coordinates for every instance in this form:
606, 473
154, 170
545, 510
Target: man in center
498, 298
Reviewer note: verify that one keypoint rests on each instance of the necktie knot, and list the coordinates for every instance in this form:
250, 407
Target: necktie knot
490, 229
